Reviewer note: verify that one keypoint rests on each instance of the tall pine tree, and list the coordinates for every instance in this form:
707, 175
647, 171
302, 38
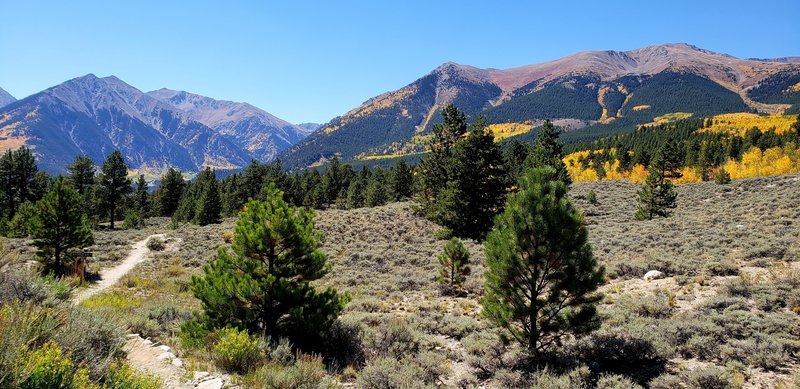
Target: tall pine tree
548, 151
657, 196
113, 185
208, 206
169, 192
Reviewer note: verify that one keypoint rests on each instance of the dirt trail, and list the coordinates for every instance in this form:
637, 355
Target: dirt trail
110, 276
142, 354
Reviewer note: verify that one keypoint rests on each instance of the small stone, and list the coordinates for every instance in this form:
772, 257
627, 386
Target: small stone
177, 362
653, 275
216, 383
165, 348
147, 342
131, 336
199, 375
165, 356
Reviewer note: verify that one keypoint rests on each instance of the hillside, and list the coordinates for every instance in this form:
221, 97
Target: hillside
604, 91
94, 116
727, 307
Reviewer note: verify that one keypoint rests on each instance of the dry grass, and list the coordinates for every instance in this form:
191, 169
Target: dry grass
385, 258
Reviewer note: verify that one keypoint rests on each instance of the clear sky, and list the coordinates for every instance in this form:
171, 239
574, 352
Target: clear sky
310, 61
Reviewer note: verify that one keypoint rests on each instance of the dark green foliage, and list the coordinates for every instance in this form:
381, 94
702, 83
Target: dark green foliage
541, 277
515, 155
434, 174
566, 97
376, 189
355, 193
262, 283
454, 262
591, 197
168, 195
400, 182
208, 205
81, 174
479, 182
113, 185
18, 182
657, 196
722, 177
58, 226
776, 89
335, 180
141, 197
548, 151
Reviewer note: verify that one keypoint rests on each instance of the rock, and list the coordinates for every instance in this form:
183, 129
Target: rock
177, 362
147, 342
653, 275
199, 375
165, 356
165, 348
131, 336
216, 383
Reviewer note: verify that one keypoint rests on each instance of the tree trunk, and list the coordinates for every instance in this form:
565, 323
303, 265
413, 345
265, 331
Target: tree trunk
113, 214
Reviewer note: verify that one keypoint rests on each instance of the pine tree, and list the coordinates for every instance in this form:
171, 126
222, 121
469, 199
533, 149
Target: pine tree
657, 196
548, 151
169, 192
434, 171
113, 184
142, 197
401, 181
355, 193
263, 282
332, 181
454, 262
81, 174
18, 173
208, 206
59, 225
541, 276
376, 189
480, 181
673, 160
514, 156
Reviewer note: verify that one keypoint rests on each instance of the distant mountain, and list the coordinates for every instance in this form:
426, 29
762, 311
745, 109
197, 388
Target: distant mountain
605, 91
309, 127
250, 128
94, 116
6, 98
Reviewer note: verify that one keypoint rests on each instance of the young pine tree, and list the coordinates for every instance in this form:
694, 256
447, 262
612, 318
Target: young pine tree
541, 276
400, 181
113, 185
262, 284
355, 193
657, 196
59, 225
454, 263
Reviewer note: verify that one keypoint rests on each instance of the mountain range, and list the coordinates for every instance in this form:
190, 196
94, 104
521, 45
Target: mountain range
593, 93
590, 94
94, 116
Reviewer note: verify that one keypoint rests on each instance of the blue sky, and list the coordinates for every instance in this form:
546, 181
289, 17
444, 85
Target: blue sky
310, 61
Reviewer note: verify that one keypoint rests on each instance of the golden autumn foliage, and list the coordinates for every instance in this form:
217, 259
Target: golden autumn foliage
770, 162
739, 123
506, 130
755, 163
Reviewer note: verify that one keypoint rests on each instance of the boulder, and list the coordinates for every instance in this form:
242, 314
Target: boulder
653, 275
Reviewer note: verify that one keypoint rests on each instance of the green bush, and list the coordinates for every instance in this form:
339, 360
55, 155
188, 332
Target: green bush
709, 378
235, 350
576, 379
616, 382
133, 220
389, 373
394, 338
155, 244
46, 367
306, 373
122, 376
93, 338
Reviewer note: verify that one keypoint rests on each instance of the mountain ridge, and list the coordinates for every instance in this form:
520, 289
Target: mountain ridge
6, 98
93, 116
594, 87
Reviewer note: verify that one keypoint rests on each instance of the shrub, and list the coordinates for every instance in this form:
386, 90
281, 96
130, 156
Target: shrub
307, 373
92, 338
484, 352
122, 376
155, 244
722, 268
616, 382
709, 378
394, 338
434, 366
235, 350
576, 379
133, 220
388, 373
46, 367
722, 177
591, 197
